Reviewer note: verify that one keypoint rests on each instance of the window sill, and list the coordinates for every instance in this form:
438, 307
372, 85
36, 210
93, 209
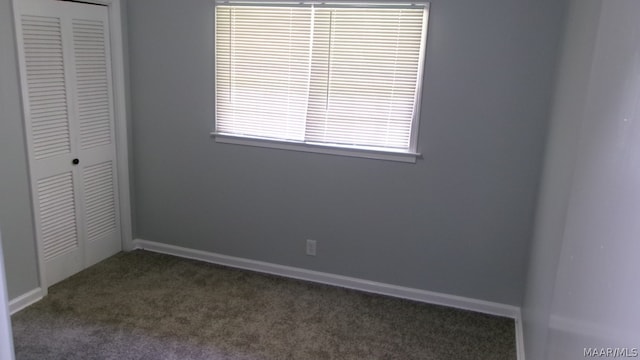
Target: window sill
361, 152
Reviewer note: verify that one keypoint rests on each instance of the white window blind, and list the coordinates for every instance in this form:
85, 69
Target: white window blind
338, 74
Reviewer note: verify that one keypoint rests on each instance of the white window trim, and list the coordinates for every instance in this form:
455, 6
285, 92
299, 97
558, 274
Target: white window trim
408, 156
320, 148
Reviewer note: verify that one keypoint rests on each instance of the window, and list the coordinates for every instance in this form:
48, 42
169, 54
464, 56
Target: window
333, 77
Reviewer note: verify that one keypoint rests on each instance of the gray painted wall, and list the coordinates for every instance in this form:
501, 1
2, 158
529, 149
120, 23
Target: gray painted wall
582, 288
16, 221
562, 150
459, 221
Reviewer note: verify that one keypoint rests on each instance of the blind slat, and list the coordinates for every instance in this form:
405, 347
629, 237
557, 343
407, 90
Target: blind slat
320, 74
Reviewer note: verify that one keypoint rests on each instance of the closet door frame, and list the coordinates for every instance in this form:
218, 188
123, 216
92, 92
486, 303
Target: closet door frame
120, 129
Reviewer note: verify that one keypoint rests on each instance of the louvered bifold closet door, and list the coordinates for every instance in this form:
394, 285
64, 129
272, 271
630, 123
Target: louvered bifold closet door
49, 120
66, 83
96, 141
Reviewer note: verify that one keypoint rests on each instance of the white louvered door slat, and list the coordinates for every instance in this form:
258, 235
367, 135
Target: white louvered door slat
100, 208
94, 113
57, 214
66, 82
46, 85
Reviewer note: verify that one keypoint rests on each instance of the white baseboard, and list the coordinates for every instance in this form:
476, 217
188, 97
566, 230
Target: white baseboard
519, 336
425, 296
25, 300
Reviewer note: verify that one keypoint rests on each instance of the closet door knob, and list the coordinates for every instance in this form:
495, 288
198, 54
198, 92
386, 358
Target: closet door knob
75, 161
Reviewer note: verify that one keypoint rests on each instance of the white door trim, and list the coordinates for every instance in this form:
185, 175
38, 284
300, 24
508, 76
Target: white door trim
6, 337
120, 124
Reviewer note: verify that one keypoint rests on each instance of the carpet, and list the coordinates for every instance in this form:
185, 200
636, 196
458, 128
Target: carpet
143, 305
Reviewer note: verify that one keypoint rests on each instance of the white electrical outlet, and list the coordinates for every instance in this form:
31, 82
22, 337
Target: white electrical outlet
311, 247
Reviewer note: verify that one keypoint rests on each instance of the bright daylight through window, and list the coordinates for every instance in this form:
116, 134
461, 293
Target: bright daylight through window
342, 75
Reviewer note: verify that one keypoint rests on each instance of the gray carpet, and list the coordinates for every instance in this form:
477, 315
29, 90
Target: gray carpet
142, 305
